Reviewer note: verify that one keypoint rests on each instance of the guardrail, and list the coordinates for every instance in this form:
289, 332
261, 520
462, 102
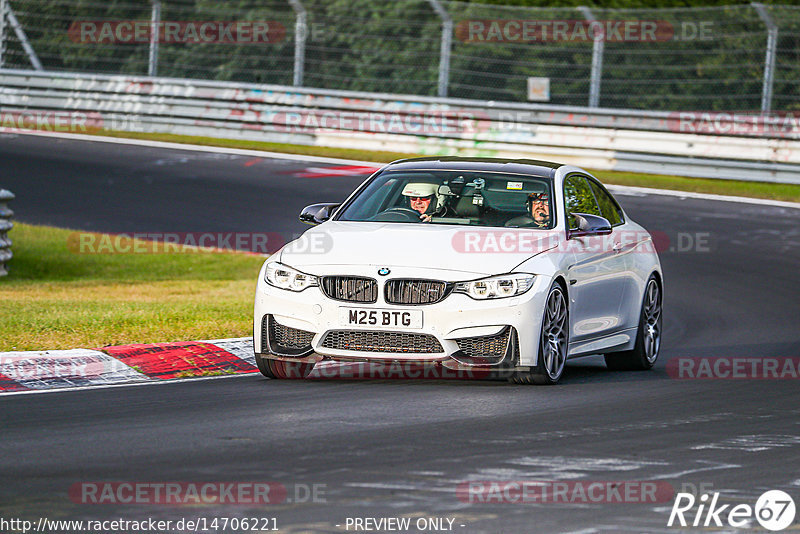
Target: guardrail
5, 225
755, 147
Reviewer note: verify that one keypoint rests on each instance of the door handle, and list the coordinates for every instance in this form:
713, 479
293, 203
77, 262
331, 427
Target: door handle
617, 247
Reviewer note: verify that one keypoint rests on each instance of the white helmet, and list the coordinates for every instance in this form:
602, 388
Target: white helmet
421, 189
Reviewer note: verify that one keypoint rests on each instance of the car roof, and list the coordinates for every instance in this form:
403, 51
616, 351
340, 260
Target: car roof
544, 169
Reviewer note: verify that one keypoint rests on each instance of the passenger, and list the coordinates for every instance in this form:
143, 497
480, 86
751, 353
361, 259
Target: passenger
538, 207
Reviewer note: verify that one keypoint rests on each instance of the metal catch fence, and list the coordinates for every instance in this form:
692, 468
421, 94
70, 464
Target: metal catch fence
724, 58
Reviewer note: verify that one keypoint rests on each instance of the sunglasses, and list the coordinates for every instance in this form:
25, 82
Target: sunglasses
538, 197
418, 199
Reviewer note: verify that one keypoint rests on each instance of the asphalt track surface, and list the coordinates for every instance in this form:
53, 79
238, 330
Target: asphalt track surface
392, 448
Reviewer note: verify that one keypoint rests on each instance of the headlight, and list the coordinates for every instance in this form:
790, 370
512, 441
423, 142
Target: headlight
496, 287
284, 277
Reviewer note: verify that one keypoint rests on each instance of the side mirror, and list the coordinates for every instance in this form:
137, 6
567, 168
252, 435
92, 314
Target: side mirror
589, 225
318, 213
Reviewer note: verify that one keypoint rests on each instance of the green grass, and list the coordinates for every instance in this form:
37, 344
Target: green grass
785, 192
57, 298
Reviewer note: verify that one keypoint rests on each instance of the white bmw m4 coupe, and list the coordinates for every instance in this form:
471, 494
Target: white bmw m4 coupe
504, 266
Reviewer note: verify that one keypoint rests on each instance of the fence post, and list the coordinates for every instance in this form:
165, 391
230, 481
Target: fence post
23, 38
598, 46
300, 36
155, 22
2, 32
769, 60
5, 226
445, 48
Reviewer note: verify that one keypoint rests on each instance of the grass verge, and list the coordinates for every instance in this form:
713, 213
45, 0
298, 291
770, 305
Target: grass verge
787, 192
55, 298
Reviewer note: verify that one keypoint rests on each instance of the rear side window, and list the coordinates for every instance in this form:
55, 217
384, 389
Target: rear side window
608, 205
578, 198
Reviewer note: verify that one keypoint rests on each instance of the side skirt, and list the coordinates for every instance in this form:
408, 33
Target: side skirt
623, 340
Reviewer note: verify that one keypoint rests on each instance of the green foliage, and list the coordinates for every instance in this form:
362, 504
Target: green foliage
617, 4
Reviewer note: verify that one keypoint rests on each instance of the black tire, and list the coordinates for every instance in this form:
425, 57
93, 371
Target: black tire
553, 341
644, 354
279, 369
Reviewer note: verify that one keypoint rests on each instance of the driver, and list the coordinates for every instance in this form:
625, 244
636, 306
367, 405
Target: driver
538, 216
422, 198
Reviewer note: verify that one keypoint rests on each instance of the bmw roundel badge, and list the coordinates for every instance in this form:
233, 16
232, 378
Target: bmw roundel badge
383, 271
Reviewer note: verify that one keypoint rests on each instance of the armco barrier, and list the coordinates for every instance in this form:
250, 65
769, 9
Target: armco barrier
609, 139
5, 225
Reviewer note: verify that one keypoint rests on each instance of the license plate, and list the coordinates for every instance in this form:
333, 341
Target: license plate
381, 318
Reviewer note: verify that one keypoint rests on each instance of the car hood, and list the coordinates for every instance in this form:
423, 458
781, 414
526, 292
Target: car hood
461, 249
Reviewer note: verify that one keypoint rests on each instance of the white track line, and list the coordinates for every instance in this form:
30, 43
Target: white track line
320, 159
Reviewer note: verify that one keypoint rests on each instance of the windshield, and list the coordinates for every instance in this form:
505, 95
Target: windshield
454, 197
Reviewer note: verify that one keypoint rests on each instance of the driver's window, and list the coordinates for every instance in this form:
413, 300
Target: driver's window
578, 198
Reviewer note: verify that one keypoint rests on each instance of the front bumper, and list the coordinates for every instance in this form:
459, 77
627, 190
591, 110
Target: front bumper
453, 331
